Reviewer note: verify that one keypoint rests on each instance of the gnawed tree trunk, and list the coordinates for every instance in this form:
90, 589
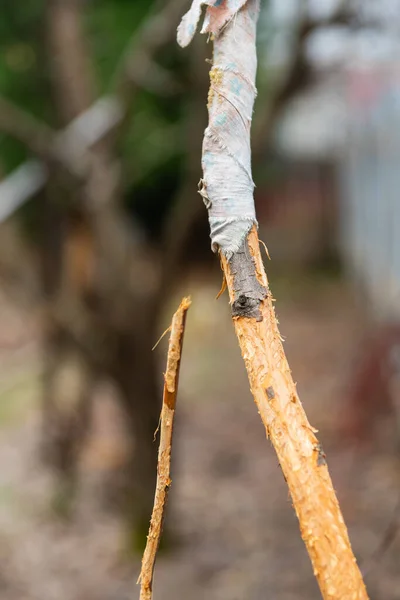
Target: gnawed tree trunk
227, 190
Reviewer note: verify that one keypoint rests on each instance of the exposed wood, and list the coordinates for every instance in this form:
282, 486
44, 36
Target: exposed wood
300, 455
164, 453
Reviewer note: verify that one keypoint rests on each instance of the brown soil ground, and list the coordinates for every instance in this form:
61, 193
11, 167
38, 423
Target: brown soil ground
237, 535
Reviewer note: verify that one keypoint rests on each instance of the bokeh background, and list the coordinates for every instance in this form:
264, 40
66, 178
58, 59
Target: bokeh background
101, 233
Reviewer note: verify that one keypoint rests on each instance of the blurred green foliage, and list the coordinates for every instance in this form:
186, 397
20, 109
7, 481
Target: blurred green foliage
110, 25
150, 146
22, 77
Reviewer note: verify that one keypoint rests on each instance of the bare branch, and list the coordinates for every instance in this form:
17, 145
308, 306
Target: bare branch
69, 146
23, 183
136, 67
164, 452
34, 134
232, 219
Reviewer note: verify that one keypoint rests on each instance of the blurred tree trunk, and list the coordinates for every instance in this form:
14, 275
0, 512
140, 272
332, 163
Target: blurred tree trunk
112, 309
109, 296
135, 372
67, 382
104, 285
68, 379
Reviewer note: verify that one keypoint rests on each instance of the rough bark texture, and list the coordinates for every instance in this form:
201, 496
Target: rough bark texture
95, 297
164, 452
300, 455
248, 292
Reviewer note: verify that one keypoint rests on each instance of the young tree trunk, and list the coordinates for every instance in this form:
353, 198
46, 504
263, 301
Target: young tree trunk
227, 190
300, 455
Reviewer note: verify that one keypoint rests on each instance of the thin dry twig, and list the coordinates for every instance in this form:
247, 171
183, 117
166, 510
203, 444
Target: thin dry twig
160, 338
171, 379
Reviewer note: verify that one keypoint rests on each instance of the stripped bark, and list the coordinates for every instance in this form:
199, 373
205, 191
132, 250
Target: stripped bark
164, 452
299, 453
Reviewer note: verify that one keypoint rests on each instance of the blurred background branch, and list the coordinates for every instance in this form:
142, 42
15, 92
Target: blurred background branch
36, 136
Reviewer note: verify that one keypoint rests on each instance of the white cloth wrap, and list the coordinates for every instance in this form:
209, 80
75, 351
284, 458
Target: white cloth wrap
227, 185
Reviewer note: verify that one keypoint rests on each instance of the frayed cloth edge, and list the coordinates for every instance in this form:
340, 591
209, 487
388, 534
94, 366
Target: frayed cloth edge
229, 248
